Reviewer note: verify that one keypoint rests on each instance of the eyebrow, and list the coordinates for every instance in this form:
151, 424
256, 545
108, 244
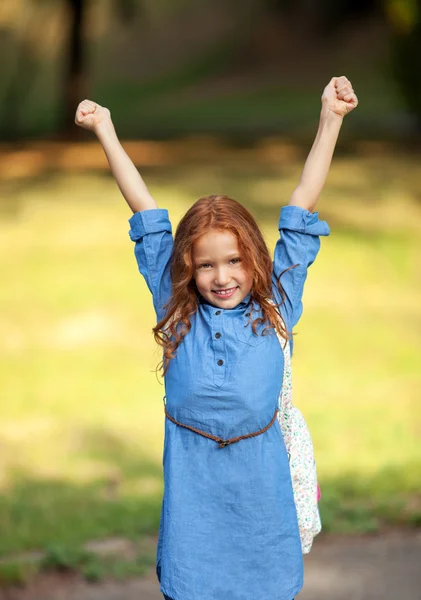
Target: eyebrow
209, 260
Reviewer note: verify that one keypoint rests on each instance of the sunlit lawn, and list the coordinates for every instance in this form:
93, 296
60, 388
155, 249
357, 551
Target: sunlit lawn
81, 428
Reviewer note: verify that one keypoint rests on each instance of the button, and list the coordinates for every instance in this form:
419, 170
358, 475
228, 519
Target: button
220, 362
217, 335
218, 312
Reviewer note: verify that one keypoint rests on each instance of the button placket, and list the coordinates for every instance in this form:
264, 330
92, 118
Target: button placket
219, 347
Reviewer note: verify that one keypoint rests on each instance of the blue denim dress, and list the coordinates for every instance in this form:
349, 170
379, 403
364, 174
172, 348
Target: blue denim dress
228, 526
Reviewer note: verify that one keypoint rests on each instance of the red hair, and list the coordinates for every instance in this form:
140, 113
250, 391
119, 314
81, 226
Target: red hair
220, 213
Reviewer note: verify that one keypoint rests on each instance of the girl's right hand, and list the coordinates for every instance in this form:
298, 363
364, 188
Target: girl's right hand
91, 115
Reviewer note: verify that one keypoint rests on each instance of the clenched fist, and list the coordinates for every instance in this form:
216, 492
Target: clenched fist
91, 115
339, 97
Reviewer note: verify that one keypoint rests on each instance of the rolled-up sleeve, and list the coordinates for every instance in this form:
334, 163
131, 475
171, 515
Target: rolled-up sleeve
298, 244
152, 233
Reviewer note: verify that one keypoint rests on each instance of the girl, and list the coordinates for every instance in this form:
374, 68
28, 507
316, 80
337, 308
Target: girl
228, 527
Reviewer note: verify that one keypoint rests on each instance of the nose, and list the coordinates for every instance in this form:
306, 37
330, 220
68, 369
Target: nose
222, 278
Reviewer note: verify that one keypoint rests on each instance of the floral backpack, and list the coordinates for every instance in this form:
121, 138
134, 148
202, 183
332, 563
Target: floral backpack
302, 463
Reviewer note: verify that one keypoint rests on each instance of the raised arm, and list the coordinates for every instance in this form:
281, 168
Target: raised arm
97, 119
338, 100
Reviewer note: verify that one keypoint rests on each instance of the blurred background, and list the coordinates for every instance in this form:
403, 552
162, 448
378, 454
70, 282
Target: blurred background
207, 97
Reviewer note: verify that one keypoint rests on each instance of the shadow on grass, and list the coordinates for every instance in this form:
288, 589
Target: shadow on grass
36, 511
353, 503
261, 173
345, 215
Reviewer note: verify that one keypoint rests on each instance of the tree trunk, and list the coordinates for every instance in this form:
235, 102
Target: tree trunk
74, 72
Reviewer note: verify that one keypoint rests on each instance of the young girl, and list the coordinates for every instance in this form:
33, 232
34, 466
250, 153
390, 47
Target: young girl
228, 528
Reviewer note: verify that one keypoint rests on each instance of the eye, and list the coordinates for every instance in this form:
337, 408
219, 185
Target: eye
208, 264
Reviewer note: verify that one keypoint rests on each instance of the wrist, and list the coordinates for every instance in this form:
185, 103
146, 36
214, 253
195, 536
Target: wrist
328, 117
105, 129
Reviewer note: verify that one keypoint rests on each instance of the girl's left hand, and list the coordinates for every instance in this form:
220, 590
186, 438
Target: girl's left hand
338, 96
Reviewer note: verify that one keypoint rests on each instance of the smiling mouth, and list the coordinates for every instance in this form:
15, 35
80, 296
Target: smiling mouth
226, 292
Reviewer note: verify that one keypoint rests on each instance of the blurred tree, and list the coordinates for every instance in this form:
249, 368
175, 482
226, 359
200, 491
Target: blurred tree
404, 18
74, 72
327, 17
23, 60
404, 21
19, 64
75, 69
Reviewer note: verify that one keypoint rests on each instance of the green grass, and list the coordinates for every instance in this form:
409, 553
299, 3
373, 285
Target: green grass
17, 574
81, 417
77, 561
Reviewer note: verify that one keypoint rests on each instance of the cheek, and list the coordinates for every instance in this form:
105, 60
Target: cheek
246, 277
200, 279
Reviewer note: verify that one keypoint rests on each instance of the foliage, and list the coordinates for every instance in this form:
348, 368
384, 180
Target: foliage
17, 573
66, 558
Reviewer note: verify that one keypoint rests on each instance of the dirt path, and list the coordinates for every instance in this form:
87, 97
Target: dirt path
385, 567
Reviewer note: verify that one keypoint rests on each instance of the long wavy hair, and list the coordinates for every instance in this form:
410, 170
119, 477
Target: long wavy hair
219, 213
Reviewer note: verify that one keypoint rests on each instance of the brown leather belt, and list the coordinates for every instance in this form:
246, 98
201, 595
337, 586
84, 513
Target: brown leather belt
222, 443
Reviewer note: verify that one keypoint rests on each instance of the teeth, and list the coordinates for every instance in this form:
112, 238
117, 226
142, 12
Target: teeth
224, 293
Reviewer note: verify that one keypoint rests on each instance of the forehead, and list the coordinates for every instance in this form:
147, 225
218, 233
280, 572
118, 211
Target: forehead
215, 243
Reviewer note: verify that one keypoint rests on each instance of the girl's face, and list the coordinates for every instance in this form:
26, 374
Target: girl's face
218, 266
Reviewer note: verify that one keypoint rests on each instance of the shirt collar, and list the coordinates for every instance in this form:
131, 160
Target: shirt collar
241, 305
245, 302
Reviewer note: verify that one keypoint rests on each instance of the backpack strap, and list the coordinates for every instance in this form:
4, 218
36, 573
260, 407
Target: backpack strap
285, 397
